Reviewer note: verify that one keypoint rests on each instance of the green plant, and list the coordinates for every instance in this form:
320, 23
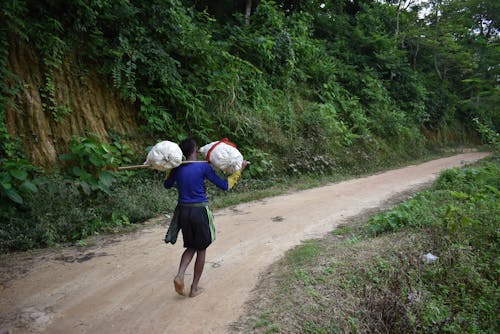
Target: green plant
120, 219
60, 112
261, 163
487, 134
342, 230
91, 163
16, 181
9, 83
304, 253
262, 320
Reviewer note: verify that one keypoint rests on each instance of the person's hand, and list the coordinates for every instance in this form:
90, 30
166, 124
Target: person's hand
244, 165
168, 171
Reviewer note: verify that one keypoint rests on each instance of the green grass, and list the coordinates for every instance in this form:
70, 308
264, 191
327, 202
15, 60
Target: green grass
370, 277
304, 253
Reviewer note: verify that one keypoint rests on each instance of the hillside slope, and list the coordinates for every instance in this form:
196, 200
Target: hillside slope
82, 104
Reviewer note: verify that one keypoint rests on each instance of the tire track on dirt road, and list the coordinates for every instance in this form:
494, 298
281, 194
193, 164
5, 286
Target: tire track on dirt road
126, 286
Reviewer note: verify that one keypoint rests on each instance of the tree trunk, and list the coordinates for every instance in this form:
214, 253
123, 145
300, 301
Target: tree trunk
398, 13
414, 60
436, 67
248, 11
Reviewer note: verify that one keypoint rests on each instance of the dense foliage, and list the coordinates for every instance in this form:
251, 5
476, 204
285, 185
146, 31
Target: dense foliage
301, 86
330, 72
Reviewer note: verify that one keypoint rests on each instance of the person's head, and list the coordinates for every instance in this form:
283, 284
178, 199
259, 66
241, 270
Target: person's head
188, 146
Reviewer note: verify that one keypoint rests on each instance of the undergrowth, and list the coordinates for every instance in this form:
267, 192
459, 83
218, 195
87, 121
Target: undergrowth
59, 212
373, 277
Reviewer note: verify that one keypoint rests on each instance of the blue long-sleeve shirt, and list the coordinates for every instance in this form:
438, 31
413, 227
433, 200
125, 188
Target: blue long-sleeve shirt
189, 179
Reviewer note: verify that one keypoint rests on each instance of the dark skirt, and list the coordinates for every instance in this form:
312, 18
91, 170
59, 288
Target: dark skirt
196, 223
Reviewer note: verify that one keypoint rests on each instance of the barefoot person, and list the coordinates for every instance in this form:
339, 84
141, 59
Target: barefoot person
192, 213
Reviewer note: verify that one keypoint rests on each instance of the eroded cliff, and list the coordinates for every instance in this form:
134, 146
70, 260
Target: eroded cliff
91, 107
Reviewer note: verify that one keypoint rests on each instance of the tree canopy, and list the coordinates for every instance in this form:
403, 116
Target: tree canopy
331, 72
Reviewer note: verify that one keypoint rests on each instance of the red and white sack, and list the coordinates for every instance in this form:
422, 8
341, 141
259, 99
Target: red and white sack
164, 155
223, 155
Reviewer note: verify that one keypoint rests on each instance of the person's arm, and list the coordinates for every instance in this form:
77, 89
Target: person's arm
231, 180
215, 179
170, 180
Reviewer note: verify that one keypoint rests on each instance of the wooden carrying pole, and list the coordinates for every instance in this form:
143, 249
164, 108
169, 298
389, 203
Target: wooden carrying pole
150, 166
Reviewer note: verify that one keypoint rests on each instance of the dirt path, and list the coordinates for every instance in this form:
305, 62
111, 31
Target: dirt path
125, 285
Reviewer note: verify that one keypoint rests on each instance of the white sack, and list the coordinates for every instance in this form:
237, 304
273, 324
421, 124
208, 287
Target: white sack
164, 155
224, 157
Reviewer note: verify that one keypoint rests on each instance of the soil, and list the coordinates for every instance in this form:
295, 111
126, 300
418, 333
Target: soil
124, 284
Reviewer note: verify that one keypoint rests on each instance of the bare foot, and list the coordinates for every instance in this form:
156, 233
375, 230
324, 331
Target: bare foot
179, 285
196, 292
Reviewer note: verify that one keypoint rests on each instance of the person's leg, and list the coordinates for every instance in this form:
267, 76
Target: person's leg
198, 270
186, 258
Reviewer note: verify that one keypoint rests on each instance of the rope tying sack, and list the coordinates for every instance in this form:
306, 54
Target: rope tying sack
223, 155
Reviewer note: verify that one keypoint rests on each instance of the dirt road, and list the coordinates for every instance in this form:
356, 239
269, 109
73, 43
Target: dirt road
124, 285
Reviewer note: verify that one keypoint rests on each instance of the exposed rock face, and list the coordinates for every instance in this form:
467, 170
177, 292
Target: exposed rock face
94, 108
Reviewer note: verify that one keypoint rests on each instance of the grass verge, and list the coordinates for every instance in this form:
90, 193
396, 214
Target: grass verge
371, 276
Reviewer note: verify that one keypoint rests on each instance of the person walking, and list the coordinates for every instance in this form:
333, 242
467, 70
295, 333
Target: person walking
192, 213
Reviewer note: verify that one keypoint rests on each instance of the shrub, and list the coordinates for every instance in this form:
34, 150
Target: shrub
91, 162
16, 182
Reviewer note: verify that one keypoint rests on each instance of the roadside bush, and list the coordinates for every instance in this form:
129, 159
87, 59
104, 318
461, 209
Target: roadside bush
91, 163
17, 181
59, 212
142, 197
489, 136
52, 215
458, 221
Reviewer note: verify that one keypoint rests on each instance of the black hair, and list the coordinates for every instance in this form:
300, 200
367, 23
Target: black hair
187, 146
